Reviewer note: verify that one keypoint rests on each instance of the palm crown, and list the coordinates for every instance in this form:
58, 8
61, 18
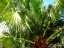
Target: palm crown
30, 21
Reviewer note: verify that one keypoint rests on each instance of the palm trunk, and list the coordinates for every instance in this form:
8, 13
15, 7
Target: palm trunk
40, 43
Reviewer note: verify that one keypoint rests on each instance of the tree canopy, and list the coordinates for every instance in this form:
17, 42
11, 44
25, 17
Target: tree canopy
30, 19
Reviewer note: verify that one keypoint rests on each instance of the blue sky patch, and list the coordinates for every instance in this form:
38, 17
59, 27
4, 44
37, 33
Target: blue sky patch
47, 2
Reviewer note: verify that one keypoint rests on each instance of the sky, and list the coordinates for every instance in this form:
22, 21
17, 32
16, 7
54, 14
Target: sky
3, 27
47, 2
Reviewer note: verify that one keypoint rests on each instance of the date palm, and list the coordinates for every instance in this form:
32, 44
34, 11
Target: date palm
29, 21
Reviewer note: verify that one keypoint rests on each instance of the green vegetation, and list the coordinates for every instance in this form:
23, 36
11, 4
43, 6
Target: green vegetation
28, 20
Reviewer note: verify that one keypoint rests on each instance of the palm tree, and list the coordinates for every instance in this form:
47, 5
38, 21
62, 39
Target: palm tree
30, 22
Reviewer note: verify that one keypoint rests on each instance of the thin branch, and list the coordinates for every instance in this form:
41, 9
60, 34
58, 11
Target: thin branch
26, 40
57, 31
6, 7
46, 29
